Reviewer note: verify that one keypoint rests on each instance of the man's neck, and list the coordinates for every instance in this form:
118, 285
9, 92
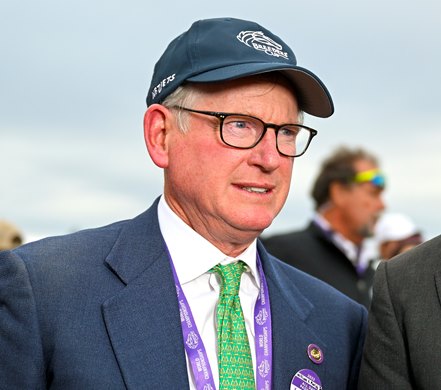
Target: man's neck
336, 224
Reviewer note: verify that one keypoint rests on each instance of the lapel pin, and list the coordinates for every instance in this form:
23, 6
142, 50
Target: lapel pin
315, 354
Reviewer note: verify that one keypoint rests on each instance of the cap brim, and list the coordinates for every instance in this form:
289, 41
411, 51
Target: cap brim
312, 95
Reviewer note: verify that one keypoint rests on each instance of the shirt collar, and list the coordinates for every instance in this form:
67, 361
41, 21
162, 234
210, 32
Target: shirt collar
192, 254
351, 250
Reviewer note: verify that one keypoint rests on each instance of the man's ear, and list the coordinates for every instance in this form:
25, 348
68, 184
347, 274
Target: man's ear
156, 120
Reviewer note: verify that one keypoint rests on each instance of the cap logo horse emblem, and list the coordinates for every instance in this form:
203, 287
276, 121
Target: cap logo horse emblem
259, 41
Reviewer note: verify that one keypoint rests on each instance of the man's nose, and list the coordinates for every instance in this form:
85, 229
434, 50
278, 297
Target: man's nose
265, 153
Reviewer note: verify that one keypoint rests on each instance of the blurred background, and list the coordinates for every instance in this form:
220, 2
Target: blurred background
74, 76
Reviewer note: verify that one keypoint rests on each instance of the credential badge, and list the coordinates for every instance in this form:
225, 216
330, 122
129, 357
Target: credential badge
306, 380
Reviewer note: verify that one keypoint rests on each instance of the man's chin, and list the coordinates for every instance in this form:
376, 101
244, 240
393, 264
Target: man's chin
256, 225
366, 231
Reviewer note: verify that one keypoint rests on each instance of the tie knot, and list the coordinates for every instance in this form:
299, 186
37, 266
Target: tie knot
230, 276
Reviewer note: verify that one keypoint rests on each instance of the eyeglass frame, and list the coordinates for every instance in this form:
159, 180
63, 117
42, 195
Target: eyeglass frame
223, 115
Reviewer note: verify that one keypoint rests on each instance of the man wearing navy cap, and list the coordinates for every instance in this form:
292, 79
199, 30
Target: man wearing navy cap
184, 296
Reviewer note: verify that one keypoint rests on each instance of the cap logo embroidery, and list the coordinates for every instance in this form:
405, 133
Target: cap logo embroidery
259, 41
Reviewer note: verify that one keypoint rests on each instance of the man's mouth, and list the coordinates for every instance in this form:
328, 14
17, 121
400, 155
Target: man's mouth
257, 190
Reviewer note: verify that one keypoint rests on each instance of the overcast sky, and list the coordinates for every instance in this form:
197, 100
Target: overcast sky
74, 76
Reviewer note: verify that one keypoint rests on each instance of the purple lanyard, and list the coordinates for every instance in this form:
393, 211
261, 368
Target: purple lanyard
197, 353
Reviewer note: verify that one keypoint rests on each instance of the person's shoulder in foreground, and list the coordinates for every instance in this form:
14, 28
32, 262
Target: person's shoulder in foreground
95, 309
403, 344
52, 301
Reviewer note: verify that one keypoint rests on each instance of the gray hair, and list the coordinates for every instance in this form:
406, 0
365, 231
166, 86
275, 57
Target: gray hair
184, 96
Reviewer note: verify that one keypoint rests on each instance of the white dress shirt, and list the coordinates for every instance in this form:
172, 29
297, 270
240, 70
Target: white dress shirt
193, 256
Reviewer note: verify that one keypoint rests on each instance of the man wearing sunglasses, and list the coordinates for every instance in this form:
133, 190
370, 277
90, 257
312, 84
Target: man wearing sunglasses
348, 201
184, 296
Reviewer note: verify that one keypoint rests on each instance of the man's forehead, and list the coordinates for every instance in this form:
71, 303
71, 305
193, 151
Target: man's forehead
364, 165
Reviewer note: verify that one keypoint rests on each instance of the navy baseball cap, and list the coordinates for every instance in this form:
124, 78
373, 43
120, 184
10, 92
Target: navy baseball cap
224, 49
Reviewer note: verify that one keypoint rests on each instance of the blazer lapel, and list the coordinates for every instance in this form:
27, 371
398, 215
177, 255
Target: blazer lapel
142, 320
290, 311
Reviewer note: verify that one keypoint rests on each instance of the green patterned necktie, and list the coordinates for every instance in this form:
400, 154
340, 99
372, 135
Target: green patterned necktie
235, 363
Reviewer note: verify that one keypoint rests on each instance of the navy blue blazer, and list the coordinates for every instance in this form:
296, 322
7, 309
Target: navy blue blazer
97, 309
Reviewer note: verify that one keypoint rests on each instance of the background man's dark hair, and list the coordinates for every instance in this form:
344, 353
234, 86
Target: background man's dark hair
338, 167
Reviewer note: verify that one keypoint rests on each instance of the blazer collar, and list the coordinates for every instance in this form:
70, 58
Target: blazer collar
138, 246
142, 319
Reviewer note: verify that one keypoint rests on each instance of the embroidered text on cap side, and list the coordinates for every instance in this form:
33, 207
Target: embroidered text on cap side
158, 89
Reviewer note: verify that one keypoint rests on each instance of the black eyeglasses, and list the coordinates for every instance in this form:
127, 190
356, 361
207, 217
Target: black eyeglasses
246, 131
